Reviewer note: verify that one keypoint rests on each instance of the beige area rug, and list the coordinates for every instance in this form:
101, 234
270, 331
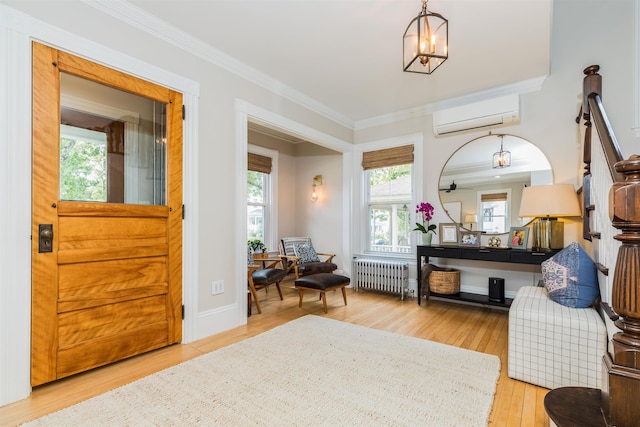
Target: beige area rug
310, 371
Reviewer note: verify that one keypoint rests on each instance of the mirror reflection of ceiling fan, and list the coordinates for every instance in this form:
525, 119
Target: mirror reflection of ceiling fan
452, 187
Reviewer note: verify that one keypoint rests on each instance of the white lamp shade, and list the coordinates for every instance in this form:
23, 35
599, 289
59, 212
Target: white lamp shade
549, 201
471, 218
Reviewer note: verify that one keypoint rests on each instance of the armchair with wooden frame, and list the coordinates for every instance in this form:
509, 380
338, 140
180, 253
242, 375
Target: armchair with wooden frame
299, 256
259, 277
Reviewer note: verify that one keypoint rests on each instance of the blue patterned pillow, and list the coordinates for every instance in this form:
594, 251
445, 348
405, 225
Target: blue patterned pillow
305, 252
571, 278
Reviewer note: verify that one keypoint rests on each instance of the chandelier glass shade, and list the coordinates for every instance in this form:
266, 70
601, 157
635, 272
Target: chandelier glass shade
425, 42
502, 158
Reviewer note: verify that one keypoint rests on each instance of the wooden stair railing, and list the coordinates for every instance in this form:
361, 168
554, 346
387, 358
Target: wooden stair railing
621, 390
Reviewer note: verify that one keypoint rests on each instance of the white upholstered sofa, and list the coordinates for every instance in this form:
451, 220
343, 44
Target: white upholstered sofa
551, 345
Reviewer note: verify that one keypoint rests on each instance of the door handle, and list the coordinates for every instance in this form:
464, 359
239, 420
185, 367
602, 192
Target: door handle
45, 238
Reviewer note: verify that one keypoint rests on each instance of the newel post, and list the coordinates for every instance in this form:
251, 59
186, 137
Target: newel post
624, 205
620, 397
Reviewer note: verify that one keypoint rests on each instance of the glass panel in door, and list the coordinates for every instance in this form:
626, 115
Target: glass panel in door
112, 144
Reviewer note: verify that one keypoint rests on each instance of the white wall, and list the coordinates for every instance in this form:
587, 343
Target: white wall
320, 220
287, 197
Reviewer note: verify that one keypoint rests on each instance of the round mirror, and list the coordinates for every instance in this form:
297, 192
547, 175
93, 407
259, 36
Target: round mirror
481, 183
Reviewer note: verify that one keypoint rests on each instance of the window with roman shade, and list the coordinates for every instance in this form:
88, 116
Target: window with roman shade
387, 157
493, 197
258, 163
494, 211
258, 196
389, 195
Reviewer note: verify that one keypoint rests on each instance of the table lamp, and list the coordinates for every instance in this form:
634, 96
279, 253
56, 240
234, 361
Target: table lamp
546, 203
471, 218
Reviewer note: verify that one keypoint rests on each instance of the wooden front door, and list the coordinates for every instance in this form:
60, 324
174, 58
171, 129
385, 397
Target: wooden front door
106, 216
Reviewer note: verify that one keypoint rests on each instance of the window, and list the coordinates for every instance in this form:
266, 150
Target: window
494, 211
260, 197
389, 199
257, 184
113, 144
83, 164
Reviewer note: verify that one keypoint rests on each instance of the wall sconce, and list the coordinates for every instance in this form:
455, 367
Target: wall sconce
317, 182
547, 203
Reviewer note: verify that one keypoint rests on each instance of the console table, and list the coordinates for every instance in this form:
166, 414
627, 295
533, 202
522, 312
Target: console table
513, 256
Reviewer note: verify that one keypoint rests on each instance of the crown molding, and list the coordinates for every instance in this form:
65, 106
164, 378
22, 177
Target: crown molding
144, 21
525, 86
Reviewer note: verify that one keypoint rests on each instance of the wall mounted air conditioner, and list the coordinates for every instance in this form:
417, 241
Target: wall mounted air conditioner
484, 114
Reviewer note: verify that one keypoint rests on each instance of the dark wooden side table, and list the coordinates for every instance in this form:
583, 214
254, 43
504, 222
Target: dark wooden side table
575, 407
507, 256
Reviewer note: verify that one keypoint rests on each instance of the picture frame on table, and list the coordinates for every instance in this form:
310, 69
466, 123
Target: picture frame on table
449, 233
518, 237
470, 239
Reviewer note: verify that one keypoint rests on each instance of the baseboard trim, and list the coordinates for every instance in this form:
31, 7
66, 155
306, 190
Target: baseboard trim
218, 320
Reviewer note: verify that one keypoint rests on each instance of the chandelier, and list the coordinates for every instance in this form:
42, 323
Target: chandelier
425, 42
502, 158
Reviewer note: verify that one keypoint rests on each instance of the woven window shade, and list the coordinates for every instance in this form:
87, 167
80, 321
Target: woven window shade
387, 157
258, 163
494, 197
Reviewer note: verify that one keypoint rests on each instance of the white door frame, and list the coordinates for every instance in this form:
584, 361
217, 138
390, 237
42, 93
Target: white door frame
244, 113
17, 31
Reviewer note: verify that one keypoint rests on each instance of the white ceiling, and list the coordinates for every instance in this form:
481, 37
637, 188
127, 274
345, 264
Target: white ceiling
347, 54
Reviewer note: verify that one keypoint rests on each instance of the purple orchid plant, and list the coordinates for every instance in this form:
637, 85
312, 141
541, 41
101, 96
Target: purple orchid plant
426, 210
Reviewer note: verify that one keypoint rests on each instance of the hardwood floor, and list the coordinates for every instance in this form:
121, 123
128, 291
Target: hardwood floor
474, 328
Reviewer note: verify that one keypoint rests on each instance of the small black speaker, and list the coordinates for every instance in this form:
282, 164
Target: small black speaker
496, 289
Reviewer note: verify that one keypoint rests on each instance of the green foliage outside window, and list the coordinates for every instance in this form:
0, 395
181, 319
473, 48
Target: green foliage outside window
382, 175
256, 207
390, 195
83, 170
255, 191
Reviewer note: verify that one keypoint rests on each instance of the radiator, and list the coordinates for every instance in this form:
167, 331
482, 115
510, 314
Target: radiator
381, 275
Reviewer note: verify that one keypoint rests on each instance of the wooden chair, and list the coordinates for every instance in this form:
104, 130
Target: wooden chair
259, 278
299, 256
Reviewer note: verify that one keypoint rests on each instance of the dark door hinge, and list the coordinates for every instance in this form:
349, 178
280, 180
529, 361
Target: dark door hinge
182, 211
183, 312
184, 113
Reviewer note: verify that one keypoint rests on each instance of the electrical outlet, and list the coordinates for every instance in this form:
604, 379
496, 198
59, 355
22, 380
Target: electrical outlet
217, 287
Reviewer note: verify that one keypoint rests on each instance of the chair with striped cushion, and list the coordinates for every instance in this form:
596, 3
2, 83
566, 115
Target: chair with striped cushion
299, 255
